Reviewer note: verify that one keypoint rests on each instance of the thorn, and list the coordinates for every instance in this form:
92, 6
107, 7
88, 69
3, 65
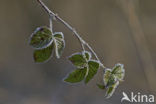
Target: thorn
56, 14
54, 17
74, 30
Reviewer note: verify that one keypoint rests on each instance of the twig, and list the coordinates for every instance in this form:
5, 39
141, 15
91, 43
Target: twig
52, 14
51, 24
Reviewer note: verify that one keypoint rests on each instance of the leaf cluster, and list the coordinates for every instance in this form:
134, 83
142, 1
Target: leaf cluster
85, 70
46, 43
111, 79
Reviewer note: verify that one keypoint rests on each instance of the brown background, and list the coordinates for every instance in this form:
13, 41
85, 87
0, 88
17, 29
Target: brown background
118, 30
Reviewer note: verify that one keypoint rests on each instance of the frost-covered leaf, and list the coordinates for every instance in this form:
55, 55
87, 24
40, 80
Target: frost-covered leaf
106, 76
112, 78
43, 54
93, 68
41, 38
76, 76
87, 55
78, 60
119, 71
101, 86
59, 35
111, 81
111, 89
59, 47
59, 43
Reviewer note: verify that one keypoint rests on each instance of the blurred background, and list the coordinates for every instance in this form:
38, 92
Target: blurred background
120, 31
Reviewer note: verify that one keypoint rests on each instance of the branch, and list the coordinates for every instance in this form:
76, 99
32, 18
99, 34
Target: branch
56, 17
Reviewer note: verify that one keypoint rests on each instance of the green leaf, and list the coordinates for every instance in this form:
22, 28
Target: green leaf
78, 60
59, 43
43, 54
101, 86
59, 47
93, 68
76, 76
41, 38
111, 81
111, 89
109, 78
107, 75
112, 78
59, 35
119, 71
87, 55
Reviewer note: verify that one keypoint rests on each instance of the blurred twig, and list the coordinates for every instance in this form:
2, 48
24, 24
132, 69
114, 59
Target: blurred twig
129, 8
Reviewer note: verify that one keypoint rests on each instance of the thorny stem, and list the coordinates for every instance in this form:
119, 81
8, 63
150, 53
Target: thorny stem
55, 16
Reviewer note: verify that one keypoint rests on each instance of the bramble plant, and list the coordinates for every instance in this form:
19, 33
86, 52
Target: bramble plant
45, 42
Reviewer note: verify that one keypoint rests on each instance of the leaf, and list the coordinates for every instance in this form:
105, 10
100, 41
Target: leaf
93, 67
43, 54
111, 89
41, 38
59, 35
87, 55
78, 60
101, 86
59, 43
107, 75
76, 76
111, 81
112, 78
59, 47
119, 71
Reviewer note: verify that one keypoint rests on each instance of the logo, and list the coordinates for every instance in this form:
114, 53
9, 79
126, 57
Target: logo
137, 97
